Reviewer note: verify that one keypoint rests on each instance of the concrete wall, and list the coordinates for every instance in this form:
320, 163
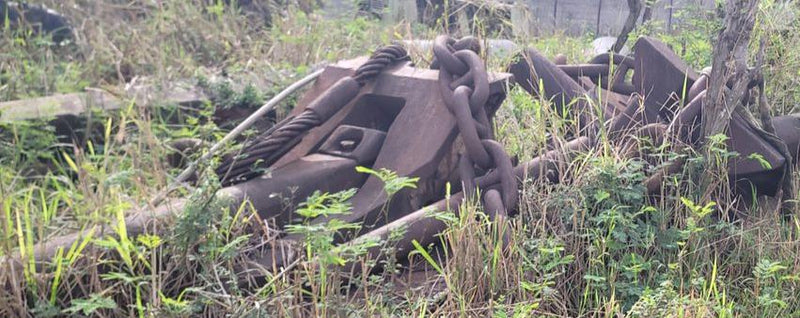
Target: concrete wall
575, 17
603, 17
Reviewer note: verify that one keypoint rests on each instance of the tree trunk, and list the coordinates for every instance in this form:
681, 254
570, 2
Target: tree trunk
648, 10
635, 9
729, 80
729, 65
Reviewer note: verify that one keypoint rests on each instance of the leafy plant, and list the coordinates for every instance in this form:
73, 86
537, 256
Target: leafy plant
222, 95
768, 288
319, 239
392, 183
91, 305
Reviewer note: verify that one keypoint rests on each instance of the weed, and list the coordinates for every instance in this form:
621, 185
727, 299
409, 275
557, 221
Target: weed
595, 245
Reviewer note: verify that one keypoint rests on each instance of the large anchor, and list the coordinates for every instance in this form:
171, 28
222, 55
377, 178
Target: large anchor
409, 120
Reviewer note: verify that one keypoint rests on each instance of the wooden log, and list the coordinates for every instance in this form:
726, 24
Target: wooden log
77, 104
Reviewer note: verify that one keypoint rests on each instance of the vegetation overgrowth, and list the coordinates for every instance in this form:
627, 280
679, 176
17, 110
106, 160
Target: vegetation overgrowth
593, 246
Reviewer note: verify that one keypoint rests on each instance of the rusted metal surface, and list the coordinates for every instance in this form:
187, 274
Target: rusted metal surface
788, 129
559, 87
273, 195
423, 226
270, 146
467, 103
464, 86
660, 76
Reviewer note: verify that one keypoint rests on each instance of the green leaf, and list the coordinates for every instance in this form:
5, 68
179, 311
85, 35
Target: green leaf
760, 158
421, 250
594, 278
392, 183
150, 241
601, 195
91, 305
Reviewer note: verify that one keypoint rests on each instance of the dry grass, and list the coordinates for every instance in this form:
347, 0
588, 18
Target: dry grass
593, 246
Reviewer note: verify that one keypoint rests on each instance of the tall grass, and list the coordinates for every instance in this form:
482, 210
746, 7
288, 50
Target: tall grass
595, 245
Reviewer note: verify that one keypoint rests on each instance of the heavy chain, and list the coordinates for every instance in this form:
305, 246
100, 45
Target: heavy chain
264, 150
464, 85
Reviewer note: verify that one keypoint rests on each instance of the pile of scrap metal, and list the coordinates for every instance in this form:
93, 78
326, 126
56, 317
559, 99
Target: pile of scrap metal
435, 124
664, 101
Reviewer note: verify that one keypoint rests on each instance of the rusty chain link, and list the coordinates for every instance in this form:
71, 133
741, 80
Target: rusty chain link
464, 85
264, 150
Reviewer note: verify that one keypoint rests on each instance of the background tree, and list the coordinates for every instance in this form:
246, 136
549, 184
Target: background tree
733, 86
635, 8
